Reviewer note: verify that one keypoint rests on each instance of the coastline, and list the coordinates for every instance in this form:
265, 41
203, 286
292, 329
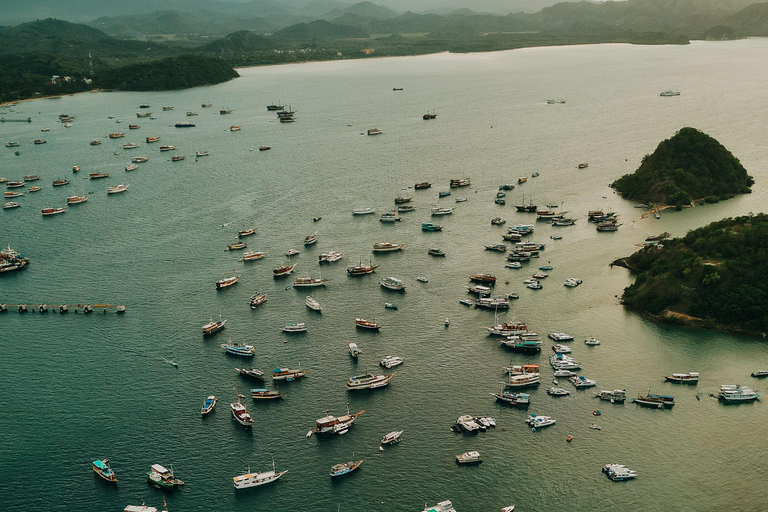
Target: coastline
51, 96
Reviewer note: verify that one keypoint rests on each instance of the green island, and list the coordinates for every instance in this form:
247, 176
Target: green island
689, 166
169, 73
715, 276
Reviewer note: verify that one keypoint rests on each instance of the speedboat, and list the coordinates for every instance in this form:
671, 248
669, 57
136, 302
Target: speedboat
592, 341
391, 361
354, 351
560, 336
209, 404
472, 457
561, 349
535, 421
579, 381
558, 392
313, 304
254, 480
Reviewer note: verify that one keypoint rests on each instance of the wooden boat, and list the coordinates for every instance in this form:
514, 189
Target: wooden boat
583, 165
369, 381
102, 468
131, 167
167, 148
345, 468
150, 140
31, 177
34, 189
241, 414
234, 128
360, 269
422, 185
52, 211
310, 239
330, 424
288, 374
7, 205
14, 184
226, 282
251, 373
198, 154
483, 278
374, 131
236, 246
177, 158
116, 135
133, 127
252, 255
246, 232
130, 145
309, 282
162, 477
40, 141
98, 175
208, 405
403, 200
362, 323
257, 300
265, 394
213, 327
283, 270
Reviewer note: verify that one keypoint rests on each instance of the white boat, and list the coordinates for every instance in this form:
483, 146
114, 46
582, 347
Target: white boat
391, 361
309, 282
241, 414
561, 349
131, 167
572, 282
479, 290
527, 379
363, 211
443, 506
737, 393
7, 205
619, 472
295, 327
393, 437
560, 336
514, 264
393, 283
354, 351
535, 421
313, 304
254, 480
616, 396
369, 381
685, 378
564, 373
116, 189
330, 256
252, 255
472, 457
468, 424
53, 211
592, 341
579, 381
212, 327
387, 247
558, 392
438, 211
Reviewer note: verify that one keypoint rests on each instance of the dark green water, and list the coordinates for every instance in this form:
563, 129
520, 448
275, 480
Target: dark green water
78, 388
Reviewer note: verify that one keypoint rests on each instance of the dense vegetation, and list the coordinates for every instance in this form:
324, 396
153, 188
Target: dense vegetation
718, 273
170, 73
22, 76
690, 165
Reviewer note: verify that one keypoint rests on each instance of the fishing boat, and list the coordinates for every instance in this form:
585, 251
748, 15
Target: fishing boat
246, 232
428, 226
117, 189
402, 200
177, 158
374, 131
103, 469
287, 374
536, 421
670, 93
213, 327
655, 401
390, 305
294, 327
257, 299
389, 217
241, 414
131, 167
483, 278
98, 175
387, 247
354, 351
302, 282
254, 480
362, 323
266, 394
422, 185
283, 270
435, 252
330, 256
313, 304
226, 282
53, 211
683, 378
251, 373
368, 381
8, 205
392, 283
345, 467
116, 135
237, 349
360, 269
310, 239
513, 399
167, 147
391, 361
363, 211
459, 182
162, 477
468, 458
393, 437
208, 405
438, 211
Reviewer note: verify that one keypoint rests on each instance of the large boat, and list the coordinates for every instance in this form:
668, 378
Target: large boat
309, 282
684, 378
117, 189
251, 373
212, 327
184, 124
360, 269
391, 361
329, 424
294, 327
428, 226
11, 260
283, 270
254, 480
524, 345
483, 278
116, 135
246, 232
237, 349
313, 304
98, 175
513, 399
536, 421
288, 374
505, 328
162, 477
616, 396
241, 414
226, 282
345, 467
655, 401
393, 283
438, 211
102, 468
53, 211
619, 472
330, 256
737, 393
524, 380
422, 185
208, 405
362, 323
369, 381
389, 217
387, 247
266, 394
363, 211
392, 437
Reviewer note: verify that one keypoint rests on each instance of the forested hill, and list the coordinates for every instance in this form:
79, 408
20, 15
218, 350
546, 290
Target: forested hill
170, 73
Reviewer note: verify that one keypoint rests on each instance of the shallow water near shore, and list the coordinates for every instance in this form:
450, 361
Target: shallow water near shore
80, 387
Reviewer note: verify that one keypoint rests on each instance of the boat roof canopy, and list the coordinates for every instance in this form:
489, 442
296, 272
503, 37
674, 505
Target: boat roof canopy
159, 468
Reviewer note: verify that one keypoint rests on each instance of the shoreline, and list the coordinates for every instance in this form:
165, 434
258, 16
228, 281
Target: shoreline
51, 96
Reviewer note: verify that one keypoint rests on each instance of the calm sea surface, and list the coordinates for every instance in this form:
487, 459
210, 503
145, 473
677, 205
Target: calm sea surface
76, 388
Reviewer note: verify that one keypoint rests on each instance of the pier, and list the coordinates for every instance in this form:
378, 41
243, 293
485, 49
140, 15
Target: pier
62, 308
4, 120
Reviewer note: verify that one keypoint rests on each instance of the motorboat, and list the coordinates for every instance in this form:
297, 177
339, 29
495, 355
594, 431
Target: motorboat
572, 282
683, 378
393, 437
368, 381
208, 405
472, 457
354, 351
131, 167
167, 147
253, 255
330, 256
310, 239
513, 399
313, 304
498, 247
7, 205
403, 200
558, 392
422, 185
330, 424
536, 421
579, 381
534, 286
346, 467
117, 189
291, 252
257, 299
513, 264
257, 479
288, 374
468, 424
422, 279
406, 208
103, 469
390, 305
226, 282
438, 211
237, 349
759, 374
655, 401
363, 211
461, 199
387, 247
392, 283
483, 278
391, 361
374, 131
241, 414
458, 182
618, 472
616, 396
251, 373
162, 478
436, 252
592, 341
670, 93
564, 373
308, 282
98, 175
561, 349
560, 336
294, 327
736, 393
177, 158
498, 221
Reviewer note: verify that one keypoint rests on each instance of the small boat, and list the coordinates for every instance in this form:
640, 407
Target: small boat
264, 148
190, 114
583, 165
53, 211
363, 211
139, 159
283, 270
393, 437
12, 144
252, 373
618, 472
428, 226
759, 374
226, 282
514, 264
354, 351
266, 394
461, 199
116, 189
572, 282
241, 414
309, 282
131, 167
389, 217
458, 182
150, 140
422, 279
130, 145
684, 378
595, 426
313, 304
31, 177
536, 421
225, 112
234, 128
177, 158
402, 200
592, 341
310, 239
374, 131
436, 252
429, 116
254, 480
102, 468
275, 107
561, 349
291, 252
579, 381
346, 467
362, 323
422, 185
389, 305
670, 93
198, 154
34, 189
438, 211
393, 283
655, 401
237, 349
236, 246
246, 232
472, 457
14, 184
168, 107
7, 205
360, 269
116, 135
162, 478
522, 179
288, 374
387, 246
444, 193
213, 327
447, 321
208, 405
257, 300
368, 381
330, 256
558, 392
500, 247
315, 219
12, 194
391, 361
498, 221
294, 327
98, 175
466, 302
167, 148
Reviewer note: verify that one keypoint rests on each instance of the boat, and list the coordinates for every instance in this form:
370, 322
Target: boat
98, 175
499, 200
300, 282
184, 124
362, 323
130, 145
468, 424
177, 158
162, 477
655, 401
683, 378
436, 252
252, 373
616, 396
572, 282
213, 327
508, 329
15, 184
524, 380
7, 205
458, 182
283, 270
374, 131
443, 506
198, 154
167, 147
116, 189
499, 247
254, 480
483, 278
237, 349
103, 469
444, 193
561, 349
558, 392
116, 135
208, 405
438, 211
12, 144
368, 381
234, 128
555, 102
422, 279
759, 374
461, 199
330, 256
619, 472
363, 211
402, 200
563, 221
522, 179
313, 304
472, 457
315, 219
406, 208
293, 327
391, 361
429, 116
150, 140
510, 508
737, 393
389, 305
287, 374
560, 336
330, 424
291, 252
595, 426
498, 221
241, 414
9, 194
131, 167
257, 299
393, 283
579, 381
513, 399
360, 269
387, 247
36, 188
497, 302
246, 232
393, 437
31, 177
422, 185
345, 467
428, 226
53, 211
226, 282
389, 217
275, 107
583, 165
536, 421
266, 394
670, 93
354, 351
310, 239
